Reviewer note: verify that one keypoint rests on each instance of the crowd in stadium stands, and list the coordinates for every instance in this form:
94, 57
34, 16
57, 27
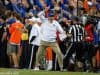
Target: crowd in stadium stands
31, 32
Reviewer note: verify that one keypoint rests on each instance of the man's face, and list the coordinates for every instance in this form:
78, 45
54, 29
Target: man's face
51, 18
75, 22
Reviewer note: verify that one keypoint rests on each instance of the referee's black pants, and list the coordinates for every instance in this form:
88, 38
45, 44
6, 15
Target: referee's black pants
77, 48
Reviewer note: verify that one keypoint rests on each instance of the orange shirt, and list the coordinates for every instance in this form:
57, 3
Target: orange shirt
16, 32
49, 54
86, 6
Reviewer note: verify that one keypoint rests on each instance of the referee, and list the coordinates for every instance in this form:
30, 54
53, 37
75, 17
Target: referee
77, 32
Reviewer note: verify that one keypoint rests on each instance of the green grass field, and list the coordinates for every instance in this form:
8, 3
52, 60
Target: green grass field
31, 72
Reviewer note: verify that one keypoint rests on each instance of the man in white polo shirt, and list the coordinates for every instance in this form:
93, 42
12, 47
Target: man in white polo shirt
48, 38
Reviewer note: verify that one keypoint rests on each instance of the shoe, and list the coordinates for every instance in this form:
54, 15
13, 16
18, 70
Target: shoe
88, 70
15, 67
49, 68
36, 69
49, 65
62, 70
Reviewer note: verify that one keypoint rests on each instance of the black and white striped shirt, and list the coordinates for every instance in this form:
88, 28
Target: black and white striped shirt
77, 32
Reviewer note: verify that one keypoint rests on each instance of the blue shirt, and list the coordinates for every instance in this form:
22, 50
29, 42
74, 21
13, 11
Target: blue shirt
65, 1
96, 39
39, 4
49, 3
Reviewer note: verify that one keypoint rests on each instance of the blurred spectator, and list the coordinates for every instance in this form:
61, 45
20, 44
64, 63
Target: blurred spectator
14, 43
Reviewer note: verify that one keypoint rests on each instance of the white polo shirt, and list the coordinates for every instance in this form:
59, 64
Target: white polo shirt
35, 31
48, 30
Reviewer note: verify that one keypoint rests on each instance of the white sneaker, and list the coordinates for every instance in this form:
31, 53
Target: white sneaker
36, 69
49, 65
49, 68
